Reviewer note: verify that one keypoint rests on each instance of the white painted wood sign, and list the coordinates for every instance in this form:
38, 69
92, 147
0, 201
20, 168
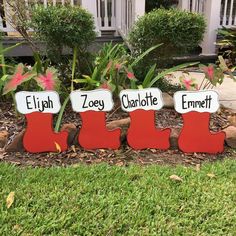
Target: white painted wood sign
45, 102
145, 99
200, 101
95, 100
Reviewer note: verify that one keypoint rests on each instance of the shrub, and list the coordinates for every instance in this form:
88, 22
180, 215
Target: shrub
61, 26
179, 31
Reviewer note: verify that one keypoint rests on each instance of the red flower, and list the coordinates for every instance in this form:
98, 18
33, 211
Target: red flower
130, 75
17, 79
48, 81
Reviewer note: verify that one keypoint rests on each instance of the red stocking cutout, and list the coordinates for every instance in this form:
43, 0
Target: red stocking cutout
94, 134
39, 135
143, 134
196, 136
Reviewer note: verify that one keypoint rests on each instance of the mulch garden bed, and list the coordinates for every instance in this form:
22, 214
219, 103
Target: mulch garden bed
122, 157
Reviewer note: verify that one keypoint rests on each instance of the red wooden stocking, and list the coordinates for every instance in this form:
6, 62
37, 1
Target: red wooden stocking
196, 136
94, 134
143, 134
39, 135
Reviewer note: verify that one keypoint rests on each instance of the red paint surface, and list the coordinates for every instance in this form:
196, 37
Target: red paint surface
94, 134
143, 133
39, 135
196, 136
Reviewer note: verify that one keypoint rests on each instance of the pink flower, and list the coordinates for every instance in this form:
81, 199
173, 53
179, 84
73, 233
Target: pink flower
48, 81
130, 75
209, 71
187, 83
105, 85
17, 79
118, 66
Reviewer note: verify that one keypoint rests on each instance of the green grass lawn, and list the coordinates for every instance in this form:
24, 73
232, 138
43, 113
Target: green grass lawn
111, 200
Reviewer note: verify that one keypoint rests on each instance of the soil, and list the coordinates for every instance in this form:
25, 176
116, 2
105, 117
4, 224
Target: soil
122, 157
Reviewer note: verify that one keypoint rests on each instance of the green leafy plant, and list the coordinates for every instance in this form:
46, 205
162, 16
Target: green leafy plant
5, 76
23, 74
19, 77
152, 77
113, 69
213, 76
179, 31
4, 66
228, 42
110, 69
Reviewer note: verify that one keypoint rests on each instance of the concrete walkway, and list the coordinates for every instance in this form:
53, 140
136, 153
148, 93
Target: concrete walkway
226, 91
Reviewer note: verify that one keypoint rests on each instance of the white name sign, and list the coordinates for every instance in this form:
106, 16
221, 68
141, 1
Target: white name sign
145, 99
95, 100
45, 102
200, 101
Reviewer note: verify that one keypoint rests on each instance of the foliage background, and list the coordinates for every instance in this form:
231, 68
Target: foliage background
151, 4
